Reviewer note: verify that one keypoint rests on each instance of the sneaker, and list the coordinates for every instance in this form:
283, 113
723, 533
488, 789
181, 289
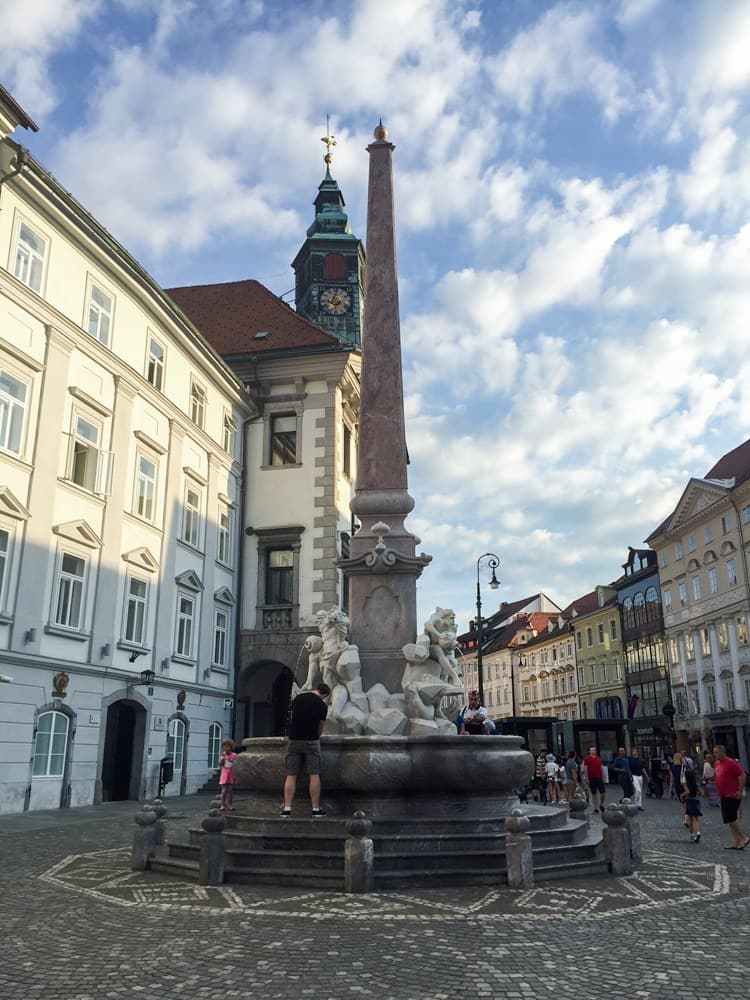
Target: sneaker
319, 812
285, 812
697, 838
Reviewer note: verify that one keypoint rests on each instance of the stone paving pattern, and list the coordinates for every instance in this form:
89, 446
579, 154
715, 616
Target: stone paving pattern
77, 924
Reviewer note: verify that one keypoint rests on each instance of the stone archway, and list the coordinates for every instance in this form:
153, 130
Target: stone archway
263, 697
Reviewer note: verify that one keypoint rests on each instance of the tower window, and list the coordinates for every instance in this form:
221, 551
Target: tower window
334, 268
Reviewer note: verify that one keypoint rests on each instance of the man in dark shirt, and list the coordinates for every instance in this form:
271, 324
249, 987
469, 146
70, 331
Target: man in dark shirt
309, 712
621, 767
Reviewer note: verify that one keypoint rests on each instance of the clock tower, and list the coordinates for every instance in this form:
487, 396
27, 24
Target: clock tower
330, 266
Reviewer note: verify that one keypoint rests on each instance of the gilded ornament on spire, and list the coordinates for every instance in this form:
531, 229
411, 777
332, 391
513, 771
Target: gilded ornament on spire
330, 141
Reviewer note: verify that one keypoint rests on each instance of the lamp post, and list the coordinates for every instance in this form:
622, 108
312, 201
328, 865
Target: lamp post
521, 663
492, 562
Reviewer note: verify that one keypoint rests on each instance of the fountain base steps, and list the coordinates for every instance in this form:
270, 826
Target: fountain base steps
407, 852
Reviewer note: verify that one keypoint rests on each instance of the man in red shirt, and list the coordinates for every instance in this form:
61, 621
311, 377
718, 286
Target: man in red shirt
595, 775
730, 783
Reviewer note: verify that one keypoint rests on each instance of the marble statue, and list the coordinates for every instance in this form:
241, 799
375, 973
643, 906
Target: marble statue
431, 686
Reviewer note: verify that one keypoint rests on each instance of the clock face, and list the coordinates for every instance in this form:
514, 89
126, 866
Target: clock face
335, 301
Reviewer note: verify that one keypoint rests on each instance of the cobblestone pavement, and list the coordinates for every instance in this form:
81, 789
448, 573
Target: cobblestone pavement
77, 924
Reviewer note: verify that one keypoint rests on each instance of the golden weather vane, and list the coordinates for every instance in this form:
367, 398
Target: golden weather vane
330, 141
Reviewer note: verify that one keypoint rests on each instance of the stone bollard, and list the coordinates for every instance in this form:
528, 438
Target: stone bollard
578, 806
213, 849
160, 830
359, 855
617, 841
144, 838
519, 857
634, 826
215, 803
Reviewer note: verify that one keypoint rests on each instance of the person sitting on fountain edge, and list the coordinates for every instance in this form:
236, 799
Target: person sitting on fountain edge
309, 712
474, 716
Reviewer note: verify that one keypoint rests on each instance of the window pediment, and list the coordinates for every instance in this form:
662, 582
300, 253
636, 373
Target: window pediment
693, 565
224, 595
709, 557
79, 532
190, 580
142, 558
727, 548
12, 506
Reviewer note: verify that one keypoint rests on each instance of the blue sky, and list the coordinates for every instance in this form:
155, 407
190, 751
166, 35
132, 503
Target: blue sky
573, 186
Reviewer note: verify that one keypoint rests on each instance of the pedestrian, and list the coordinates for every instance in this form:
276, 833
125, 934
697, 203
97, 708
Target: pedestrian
309, 712
595, 771
583, 776
540, 777
571, 776
637, 770
709, 781
621, 767
474, 716
552, 769
730, 784
693, 811
227, 777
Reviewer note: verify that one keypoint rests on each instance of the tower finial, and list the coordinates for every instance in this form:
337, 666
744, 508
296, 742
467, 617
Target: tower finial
329, 141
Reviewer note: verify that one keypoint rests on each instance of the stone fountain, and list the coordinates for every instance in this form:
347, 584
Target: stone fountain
390, 746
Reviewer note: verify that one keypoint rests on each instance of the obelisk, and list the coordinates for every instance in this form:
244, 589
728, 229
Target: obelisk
383, 567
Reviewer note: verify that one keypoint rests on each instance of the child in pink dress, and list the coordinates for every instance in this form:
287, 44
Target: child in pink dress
227, 779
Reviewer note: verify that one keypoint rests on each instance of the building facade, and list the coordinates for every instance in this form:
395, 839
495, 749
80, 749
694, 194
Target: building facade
120, 496
701, 549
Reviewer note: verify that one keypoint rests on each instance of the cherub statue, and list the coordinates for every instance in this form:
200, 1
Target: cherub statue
332, 657
440, 627
429, 678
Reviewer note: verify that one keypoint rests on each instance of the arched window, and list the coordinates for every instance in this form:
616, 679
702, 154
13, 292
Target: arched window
176, 742
627, 613
639, 608
50, 745
214, 744
652, 604
334, 267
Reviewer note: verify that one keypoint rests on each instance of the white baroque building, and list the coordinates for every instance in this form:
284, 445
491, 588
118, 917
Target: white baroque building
120, 492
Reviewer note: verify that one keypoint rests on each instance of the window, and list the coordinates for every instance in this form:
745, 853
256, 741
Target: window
747, 692
581, 673
90, 467
677, 550
612, 628
663, 558
526, 692
618, 670
713, 580
556, 685
283, 439
725, 524
729, 701
571, 684
639, 608
176, 743
697, 588
191, 517
731, 572
682, 591
69, 591
589, 636
600, 631
723, 633
711, 697
347, 452
695, 701
667, 598
31, 253
628, 617
746, 514
224, 548
603, 673
12, 412
221, 629
741, 623
197, 404
584, 710
279, 576
334, 267
99, 314
579, 640
135, 611
652, 604
145, 488
185, 619
229, 435
50, 745
155, 363
4, 551
689, 646
592, 674
705, 642
691, 543
214, 745
674, 652
708, 534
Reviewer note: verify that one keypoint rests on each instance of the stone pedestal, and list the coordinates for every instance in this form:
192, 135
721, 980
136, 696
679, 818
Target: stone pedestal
634, 827
213, 849
160, 826
617, 841
144, 838
359, 855
519, 859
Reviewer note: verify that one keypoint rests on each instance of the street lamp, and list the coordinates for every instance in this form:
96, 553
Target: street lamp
521, 663
493, 562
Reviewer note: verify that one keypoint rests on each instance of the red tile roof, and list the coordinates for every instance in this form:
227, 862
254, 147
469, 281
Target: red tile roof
229, 315
735, 464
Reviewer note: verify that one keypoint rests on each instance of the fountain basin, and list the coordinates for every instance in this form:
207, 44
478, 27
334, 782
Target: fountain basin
390, 776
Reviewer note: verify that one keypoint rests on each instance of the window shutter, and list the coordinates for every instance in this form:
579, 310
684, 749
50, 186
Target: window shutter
69, 453
104, 464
